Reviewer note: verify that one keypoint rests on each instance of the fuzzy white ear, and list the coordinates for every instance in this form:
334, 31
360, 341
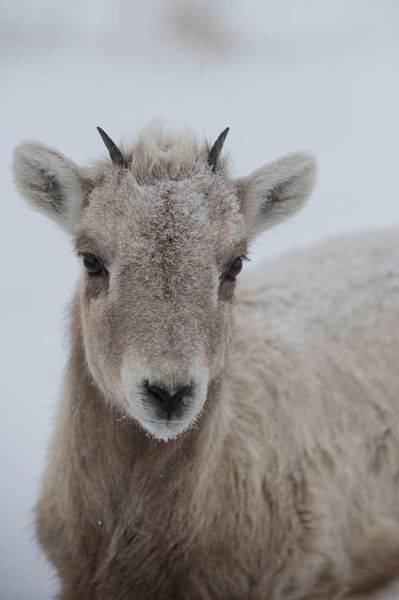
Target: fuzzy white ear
49, 181
276, 191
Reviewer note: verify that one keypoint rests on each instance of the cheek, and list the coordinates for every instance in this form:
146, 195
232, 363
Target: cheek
226, 291
103, 353
219, 335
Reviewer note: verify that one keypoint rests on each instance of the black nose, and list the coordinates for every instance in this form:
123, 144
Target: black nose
168, 404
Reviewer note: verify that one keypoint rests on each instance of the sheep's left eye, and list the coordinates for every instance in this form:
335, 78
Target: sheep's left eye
93, 265
234, 269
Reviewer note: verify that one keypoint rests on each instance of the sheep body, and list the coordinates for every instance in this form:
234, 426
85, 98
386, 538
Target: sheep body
217, 440
290, 490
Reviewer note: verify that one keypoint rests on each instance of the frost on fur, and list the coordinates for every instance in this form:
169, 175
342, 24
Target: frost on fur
55, 186
235, 434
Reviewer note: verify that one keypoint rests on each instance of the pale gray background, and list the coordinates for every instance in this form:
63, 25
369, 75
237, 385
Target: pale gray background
283, 74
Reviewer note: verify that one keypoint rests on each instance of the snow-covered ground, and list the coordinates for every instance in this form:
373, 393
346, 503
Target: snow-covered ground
283, 74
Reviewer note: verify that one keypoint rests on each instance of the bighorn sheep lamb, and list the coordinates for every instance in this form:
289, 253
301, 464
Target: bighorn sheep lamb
217, 440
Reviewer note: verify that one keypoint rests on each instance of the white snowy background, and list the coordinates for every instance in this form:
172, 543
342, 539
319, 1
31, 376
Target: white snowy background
283, 74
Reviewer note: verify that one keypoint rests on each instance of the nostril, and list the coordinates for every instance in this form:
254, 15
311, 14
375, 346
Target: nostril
159, 392
182, 392
168, 402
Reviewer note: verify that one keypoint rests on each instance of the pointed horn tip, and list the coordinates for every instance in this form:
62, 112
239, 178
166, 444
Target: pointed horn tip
220, 140
224, 133
114, 152
217, 148
105, 137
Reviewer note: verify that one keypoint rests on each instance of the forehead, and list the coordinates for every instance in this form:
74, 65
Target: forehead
190, 213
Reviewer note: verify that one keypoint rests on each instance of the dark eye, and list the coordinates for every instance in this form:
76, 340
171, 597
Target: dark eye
234, 269
92, 265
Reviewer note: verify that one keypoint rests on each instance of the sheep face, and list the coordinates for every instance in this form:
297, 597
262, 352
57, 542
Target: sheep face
159, 264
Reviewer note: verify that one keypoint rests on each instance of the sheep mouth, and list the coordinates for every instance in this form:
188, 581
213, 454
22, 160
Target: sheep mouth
166, 422
164, 429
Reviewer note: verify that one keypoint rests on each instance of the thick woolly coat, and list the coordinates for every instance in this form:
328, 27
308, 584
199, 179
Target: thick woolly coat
289, 486
286, 484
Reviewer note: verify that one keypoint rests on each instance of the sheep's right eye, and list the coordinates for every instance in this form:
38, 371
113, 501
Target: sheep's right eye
234, 269
93, 265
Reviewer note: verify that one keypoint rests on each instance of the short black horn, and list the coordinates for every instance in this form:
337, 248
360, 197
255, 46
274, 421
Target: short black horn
114, 152
216, 149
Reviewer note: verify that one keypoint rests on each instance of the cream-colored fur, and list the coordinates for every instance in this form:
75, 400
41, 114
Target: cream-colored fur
279, 477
